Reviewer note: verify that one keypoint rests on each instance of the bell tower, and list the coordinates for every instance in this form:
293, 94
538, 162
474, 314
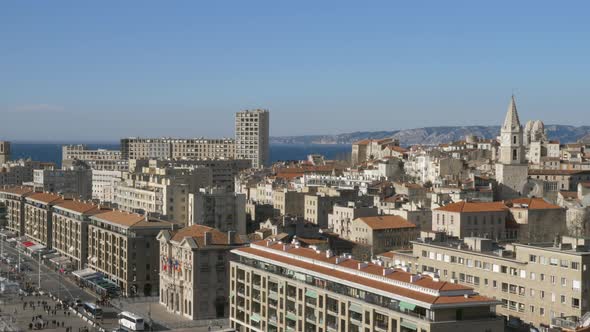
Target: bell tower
511, 168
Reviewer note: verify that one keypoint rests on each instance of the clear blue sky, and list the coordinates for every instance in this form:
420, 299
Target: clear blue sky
101, 70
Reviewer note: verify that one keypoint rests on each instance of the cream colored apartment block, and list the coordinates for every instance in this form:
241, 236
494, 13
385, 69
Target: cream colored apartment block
123, 247
38, 212
281, 287
537, 284
14, 199
288, 202
70, 230
252, 136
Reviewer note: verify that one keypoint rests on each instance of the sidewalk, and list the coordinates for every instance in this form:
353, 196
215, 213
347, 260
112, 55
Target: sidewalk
165, 320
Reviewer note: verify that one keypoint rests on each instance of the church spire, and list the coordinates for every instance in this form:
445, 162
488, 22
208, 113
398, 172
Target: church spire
512, 122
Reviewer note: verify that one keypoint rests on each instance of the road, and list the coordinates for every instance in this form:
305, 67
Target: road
58, 284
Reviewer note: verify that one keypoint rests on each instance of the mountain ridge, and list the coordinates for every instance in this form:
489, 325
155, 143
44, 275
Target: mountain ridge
433, 135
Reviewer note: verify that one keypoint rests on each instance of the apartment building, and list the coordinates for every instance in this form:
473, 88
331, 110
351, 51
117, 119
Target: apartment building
104, 183
96, 159
537, 219
161, 190
218, 208
14, 200
252, 137
463, 219
223, 171
283, 287
17, 172
318, 206
340, 220
69, 229
74, 182
4, 152
123, 246
38, 216
203, 148
288, 202
538, 284
383, 233
194, 282
177, 148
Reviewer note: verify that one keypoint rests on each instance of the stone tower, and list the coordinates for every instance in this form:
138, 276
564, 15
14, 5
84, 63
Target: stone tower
4, 152
511, 168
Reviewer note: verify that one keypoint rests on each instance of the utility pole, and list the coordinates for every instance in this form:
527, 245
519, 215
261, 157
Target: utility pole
39, 272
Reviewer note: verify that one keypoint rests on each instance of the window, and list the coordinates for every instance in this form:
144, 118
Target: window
533, 258
575, 302
575, 265
563, 282
542, 311
563, 299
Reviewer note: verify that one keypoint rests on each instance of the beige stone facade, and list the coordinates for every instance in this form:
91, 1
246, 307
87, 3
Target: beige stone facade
278, 287
38, 216
252, 136
14, 200
535, 283
70, 230
124, 248
193, 271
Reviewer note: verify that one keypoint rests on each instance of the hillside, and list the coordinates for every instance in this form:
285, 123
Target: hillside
433, 135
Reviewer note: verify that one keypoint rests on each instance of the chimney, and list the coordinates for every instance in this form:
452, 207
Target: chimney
230, 237
208, 238
415, 277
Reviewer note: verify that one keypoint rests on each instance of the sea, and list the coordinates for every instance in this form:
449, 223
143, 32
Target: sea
51, 152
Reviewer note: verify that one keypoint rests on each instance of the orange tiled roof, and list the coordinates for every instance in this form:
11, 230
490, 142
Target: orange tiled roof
197, 232
121, 217
386, 222
17, 190
362, 142
271, 252
473, 207
80, 207
46, 197
534, 204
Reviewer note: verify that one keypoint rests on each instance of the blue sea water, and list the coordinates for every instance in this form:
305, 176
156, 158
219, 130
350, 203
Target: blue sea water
52, 151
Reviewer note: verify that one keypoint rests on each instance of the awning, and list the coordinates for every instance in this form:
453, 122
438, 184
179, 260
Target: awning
356, 308
408, 325
273, 296
36, 247
255, 318
28, 244
85, 273
291, 316
311, 293
407, 306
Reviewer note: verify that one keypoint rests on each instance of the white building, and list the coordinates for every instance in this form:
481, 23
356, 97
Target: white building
99, 159
104, 183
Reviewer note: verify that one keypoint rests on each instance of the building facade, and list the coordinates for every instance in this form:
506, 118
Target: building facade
69, 230
177, 148
537, 284
123, 247
252, 136
14, 201
194, 261
219, 209
38, 216
99, 159
282, 287
74, 182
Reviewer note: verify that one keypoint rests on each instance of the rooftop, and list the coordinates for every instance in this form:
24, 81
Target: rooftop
421, 288
45, 198
197, 232
386, 222
474, 207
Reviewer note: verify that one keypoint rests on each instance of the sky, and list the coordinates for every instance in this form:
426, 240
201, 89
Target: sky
98, 71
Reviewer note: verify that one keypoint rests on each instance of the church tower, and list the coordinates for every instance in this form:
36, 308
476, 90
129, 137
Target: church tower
511, 138
511, 168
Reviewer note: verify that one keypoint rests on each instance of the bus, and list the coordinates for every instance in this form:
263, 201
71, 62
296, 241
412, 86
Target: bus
131, 321
93, 310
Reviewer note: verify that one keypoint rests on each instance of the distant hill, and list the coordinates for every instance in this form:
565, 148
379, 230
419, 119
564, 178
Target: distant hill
432, 135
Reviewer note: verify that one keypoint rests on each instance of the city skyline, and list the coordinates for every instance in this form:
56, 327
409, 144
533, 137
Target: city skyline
189, 73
